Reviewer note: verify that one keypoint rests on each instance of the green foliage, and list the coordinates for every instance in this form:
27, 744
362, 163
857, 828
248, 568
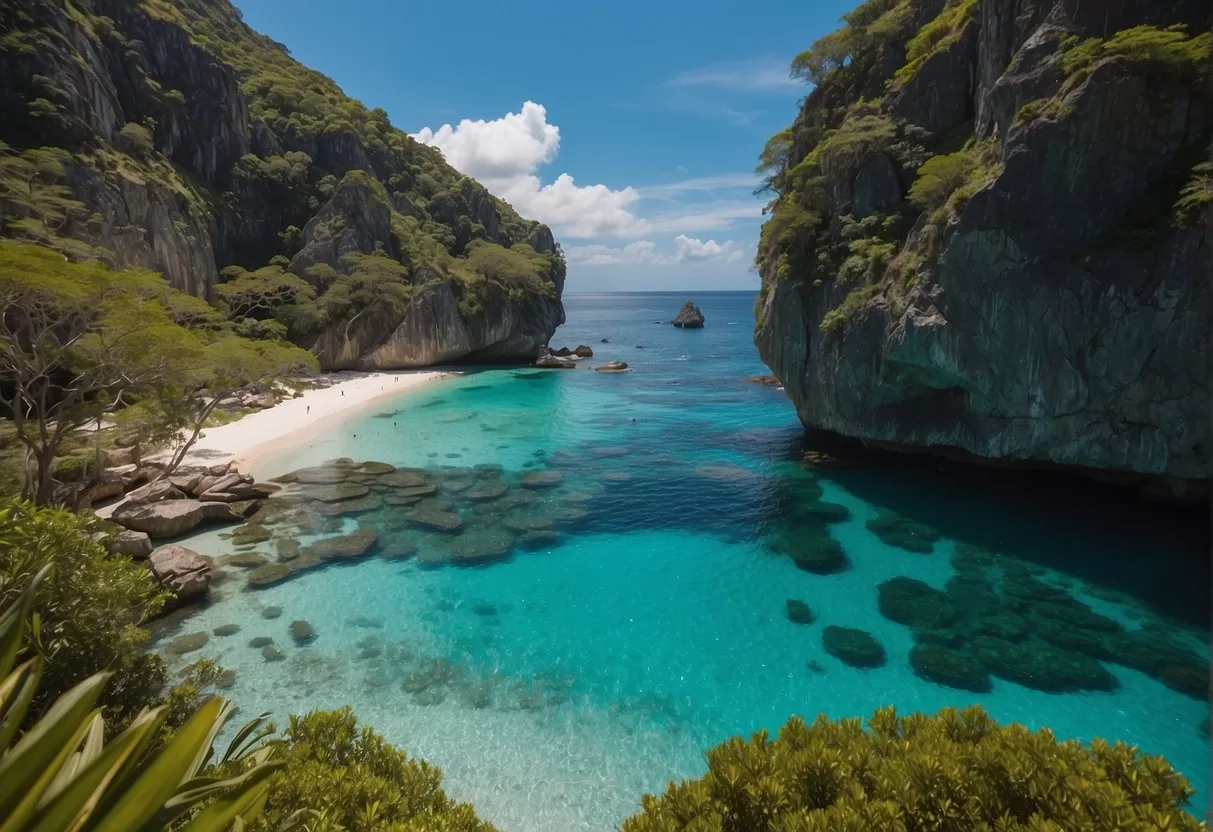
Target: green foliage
61, 774
940, 177
955, 770
1196, 197
89, 608
135, 139
34, 204
347, 777
836, 321
872, 19
934, 37
1166, 52
369, 284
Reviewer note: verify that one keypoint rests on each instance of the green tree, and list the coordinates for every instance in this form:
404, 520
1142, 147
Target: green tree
939, 177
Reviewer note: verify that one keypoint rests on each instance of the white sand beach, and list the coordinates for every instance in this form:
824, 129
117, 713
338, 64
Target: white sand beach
260, 436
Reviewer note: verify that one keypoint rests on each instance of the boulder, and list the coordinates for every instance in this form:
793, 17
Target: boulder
1043, 667
257, 642
854, 647
915, 604
268, 575
378, 468
951, 668
226, 482
612, 367
226, 630
302, 632
249, 534
169, 518
442, 521
485, 491
115, 457
272, 654
799, 612
130, 543
106, 486
343, 547
250, 560
271, 612
817, 553
338, 492
181, 571
904, 533
155, 492
689, 317
583, 351
186, 644
555, 362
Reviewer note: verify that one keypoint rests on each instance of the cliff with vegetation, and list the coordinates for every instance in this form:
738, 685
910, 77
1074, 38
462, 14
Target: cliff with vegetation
989, 235
168, 135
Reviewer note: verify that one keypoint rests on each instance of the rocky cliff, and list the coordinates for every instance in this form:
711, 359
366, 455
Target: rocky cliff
168, 135
990, 235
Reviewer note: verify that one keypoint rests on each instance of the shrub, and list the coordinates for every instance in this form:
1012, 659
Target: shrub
135, 139
89, 608
1196, 197
350, 778
955, 770
1166, 51
839, 318
62, 775
939, 177
935, 36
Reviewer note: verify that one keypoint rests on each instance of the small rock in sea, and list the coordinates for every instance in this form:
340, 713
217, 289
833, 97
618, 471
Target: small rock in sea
186, 644
605, 341
640, 346
271, 612
272, 653
225, 679
854, 647
542, 479
484, 609
271, 573
260, 641
799, 612
227, 629
763, 379
583, 351
904, 533
302, 632
249, 560
612, 367
815, 666
689, 317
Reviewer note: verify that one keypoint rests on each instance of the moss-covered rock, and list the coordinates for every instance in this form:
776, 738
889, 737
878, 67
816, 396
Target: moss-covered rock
1042, 667
226, 630
817, 553
904, 533
268, 575
914, 603
302, 632
952, 668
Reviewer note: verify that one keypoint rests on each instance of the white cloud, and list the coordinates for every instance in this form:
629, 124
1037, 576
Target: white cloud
645, 253
756, 75
506, 153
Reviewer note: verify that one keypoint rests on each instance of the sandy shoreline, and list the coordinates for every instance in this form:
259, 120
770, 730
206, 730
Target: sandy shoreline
256, 439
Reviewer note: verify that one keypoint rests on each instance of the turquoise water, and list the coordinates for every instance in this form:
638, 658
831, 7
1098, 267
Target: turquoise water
556, 686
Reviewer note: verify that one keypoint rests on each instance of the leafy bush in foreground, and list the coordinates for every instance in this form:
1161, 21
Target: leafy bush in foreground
89, 608
61, 774
948, 772
343, 776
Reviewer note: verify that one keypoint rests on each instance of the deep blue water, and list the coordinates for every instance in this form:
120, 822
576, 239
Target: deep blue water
557, 685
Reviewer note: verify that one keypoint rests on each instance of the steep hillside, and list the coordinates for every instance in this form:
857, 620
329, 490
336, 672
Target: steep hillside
990, 234
168, 134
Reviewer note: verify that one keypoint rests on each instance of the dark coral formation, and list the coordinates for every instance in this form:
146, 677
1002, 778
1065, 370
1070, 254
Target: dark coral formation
854, 647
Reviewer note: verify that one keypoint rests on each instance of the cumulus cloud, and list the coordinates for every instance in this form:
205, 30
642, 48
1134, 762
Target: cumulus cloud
645, 253
506, 153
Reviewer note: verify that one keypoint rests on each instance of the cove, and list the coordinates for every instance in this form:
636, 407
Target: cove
557, 684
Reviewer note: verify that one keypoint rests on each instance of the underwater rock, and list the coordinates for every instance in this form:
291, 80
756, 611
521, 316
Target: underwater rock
763, 379
688, 317
951, 668
225, 679
271, 612
272, 654
404, 478
250, 534
904, 533
378, 468
396, 501
433, 696
488, 490
542, 479
288, 549
799, 612
302, 632
1189, 679
246, 560
617, 476
442, 521
226, 630
819, 511
914, 603
854, 647
725, 473
169, 518
1042, 667
268, 575
397, 547
260, 641
522, 523
351, 508
316, 476
456, 486
343, 547
484, 609
337, 493
537, 539
567, 514
186, 644
815, 666
817, 553
481, 546
1004, 625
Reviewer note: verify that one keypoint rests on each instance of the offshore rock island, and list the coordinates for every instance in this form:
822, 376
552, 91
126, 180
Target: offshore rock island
977, 246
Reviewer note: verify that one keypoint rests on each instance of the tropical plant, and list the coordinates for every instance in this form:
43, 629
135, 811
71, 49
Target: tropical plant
61, 774
953, 771
87, 610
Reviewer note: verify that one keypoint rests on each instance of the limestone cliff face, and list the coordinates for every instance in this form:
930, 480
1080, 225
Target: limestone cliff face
1055, 313
185, 142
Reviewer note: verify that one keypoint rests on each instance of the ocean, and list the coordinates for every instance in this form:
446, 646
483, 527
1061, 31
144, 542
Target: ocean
643, 612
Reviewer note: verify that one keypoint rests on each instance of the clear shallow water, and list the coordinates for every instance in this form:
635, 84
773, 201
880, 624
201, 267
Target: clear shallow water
556, 687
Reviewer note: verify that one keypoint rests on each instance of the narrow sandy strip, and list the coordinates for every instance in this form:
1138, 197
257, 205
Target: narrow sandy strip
262, 435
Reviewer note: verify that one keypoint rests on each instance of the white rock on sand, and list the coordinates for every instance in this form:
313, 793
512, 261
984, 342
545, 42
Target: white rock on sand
294, 421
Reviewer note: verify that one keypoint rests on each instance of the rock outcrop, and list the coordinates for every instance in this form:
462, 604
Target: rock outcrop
198, 148
181, 571
688, 317
1052, 308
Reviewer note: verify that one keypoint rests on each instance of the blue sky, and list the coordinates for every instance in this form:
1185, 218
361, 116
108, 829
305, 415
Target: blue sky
631, 128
